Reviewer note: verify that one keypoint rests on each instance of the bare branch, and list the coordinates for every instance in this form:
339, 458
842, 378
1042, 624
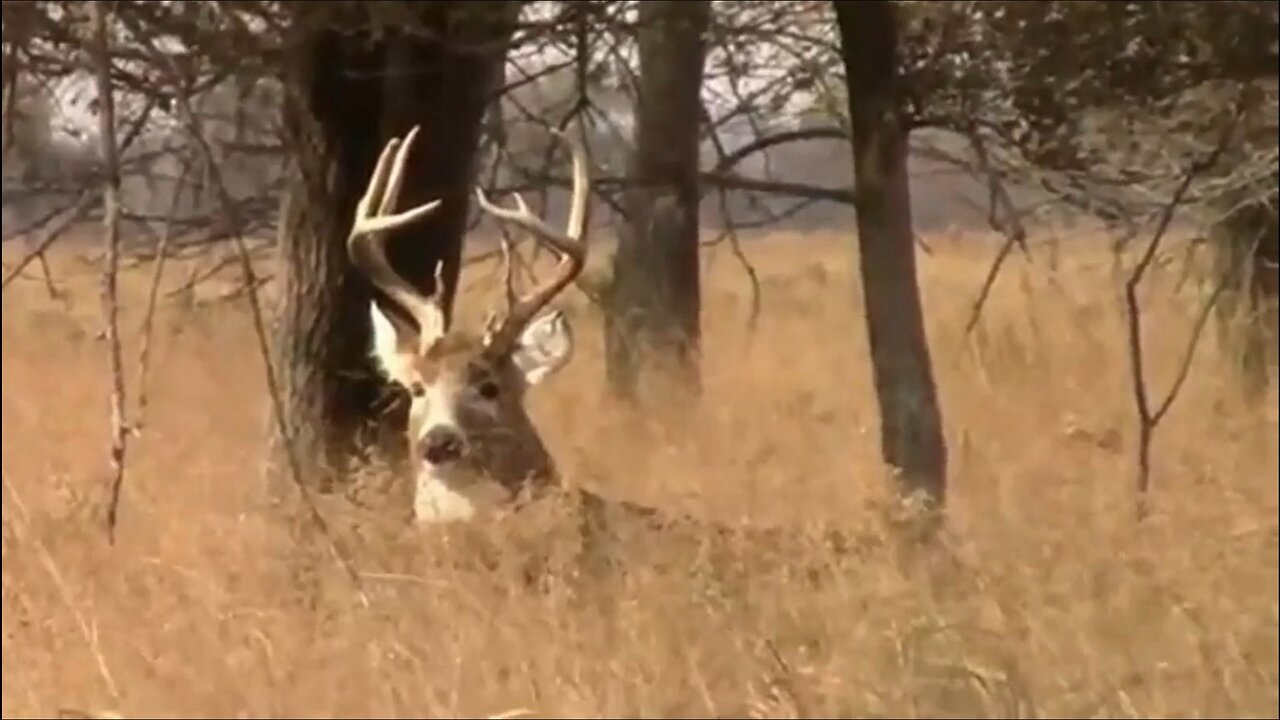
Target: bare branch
51, 235
1148, 421
162, 252
111, 239
195, 127
730, 231
1004, 218
730, 160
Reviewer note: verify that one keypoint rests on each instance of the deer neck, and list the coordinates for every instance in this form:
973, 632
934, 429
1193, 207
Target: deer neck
439, 498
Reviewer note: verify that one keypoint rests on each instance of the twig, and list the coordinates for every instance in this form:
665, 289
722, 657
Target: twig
111, 238
988, 282
199, 275
1015, 233
235, 292
49, 285
1197, 331
195, 127
85, 201
729, 160
730, 231
52, 233
1148, 421
148, 319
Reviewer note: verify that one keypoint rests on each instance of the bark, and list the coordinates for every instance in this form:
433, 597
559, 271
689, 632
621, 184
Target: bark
655, 299
347, 94
911, 422
331, 116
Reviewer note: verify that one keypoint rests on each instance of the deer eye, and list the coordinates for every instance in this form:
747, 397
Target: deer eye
417, 389
488, 390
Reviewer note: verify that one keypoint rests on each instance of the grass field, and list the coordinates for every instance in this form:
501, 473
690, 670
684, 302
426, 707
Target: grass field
1051, 600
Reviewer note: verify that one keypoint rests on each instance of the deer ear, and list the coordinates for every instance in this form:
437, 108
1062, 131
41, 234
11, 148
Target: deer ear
544, 347
394, 345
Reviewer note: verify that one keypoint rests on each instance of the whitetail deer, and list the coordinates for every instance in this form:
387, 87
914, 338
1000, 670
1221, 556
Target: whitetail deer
472, 444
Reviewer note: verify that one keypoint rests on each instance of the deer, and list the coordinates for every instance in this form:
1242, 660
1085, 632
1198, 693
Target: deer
473, 446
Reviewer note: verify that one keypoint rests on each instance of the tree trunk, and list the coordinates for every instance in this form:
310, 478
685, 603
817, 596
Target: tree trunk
911, 424
332, 108
346, 95
655, 299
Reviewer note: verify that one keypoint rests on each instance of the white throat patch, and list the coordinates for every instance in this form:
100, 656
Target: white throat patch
453, 493
435, 502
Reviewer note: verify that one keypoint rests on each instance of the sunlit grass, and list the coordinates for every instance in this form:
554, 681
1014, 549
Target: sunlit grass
1048, 600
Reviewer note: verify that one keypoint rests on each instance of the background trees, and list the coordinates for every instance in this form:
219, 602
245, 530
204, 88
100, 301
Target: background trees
231, 108
1057, 174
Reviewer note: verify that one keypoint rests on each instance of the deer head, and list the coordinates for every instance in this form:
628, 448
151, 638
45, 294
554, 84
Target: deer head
471, 442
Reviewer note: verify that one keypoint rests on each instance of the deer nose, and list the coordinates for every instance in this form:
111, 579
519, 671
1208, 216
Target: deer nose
442, 444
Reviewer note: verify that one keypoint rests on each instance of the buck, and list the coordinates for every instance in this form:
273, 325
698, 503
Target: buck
472, 444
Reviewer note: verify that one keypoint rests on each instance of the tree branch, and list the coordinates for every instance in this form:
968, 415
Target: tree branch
1148, 421
111, 239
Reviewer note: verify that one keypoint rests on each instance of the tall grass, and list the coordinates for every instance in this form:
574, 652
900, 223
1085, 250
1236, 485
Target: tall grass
1048, 600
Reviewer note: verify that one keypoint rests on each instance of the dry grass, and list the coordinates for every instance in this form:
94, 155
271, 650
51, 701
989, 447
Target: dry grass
1052, 603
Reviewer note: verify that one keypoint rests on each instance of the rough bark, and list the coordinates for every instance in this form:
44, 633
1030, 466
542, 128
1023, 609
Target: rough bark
346, 95
910, 419
332, 111
655, 299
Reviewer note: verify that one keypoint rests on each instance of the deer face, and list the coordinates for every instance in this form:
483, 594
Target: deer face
470, 439
469, 436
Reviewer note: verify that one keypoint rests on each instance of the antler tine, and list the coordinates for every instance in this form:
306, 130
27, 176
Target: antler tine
366, 244
570, 245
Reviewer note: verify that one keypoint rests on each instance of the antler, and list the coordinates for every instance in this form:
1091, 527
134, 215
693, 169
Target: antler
366, 245
570, 245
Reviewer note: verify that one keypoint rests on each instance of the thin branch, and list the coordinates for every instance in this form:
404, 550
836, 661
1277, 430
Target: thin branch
198, 275
46, 217
51, 235
85, 202
148, 319
999, 203
730, 231
251, 280
111, 239
730, 160
988, 282
1197, 332
1148, 421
